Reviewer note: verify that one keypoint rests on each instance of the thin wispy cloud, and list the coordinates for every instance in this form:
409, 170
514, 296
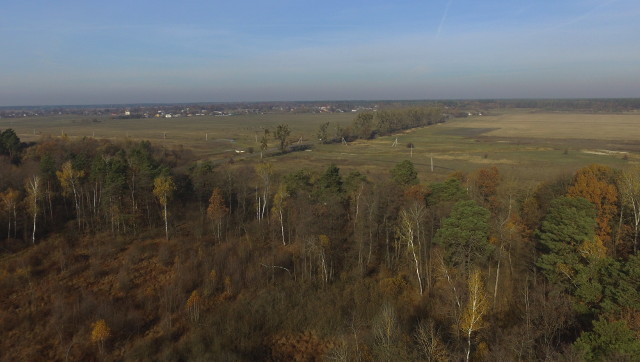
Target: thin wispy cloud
443, 19
595, 11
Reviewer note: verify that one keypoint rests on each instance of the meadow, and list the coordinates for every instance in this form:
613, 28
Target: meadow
530, 144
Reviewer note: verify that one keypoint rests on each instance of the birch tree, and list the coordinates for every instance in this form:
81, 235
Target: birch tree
69, 180
163, 189
9, 200
477, 305
409, 233
279, 201
33, 196
264, 171
217, 209
100, 332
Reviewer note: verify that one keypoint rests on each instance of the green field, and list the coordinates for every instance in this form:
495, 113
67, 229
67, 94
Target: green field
534, 146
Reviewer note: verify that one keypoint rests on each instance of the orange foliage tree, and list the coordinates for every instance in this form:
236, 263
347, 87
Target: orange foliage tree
486, 181
217, 209
595, 183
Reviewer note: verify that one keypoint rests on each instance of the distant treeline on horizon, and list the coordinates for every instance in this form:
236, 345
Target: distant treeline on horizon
577, 104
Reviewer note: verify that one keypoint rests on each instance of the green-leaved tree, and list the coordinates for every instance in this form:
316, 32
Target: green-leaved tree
405, 173
609, 341
464, 235
568, 224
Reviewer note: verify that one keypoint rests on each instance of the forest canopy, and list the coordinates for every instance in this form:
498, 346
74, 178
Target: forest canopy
138, 252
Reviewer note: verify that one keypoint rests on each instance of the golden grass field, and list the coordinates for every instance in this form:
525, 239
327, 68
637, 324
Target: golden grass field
559, 125
531, 146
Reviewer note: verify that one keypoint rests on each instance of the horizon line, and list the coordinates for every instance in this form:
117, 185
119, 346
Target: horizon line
120, 105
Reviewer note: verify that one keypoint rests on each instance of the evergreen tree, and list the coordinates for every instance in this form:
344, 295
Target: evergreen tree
464, 235
405, 173
609, 341
568, 223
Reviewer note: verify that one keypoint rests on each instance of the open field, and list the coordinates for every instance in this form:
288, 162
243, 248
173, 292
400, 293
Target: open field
559, 125
534, 146
208, 136
559, 144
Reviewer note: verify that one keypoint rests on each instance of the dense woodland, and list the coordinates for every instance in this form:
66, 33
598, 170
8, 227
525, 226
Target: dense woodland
128, 251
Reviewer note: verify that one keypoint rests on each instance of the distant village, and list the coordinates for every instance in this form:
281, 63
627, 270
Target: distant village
181, 110
457, 108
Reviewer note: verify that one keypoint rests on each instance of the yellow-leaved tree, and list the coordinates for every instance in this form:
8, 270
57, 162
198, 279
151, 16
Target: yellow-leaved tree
477, 305
100, 333
193, 306
32, 186
163, 188
9, 201
217, 209
69, 180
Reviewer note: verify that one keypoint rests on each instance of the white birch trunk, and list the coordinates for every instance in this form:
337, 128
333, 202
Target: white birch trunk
166, 222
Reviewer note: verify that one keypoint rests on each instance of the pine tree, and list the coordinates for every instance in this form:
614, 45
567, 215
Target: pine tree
568, 224
464, 235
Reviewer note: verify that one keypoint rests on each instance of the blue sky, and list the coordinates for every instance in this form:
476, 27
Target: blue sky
96, 52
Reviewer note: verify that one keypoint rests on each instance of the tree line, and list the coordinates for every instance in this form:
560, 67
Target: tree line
369, 124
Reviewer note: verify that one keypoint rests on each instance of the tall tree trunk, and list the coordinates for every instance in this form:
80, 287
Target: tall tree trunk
468, 344
166, 222
15, 222
282, 227
415, 258
495, 288
35, 216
